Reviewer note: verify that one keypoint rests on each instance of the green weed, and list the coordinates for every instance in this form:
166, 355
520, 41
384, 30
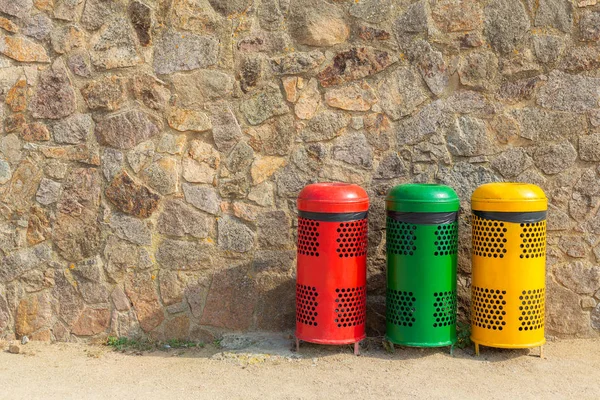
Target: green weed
127, 344
463, 335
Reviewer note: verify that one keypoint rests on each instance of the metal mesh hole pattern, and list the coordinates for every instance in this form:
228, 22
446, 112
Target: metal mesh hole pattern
488, 308
351, 306
308, 237
352, 238
401, 237
489, 238
400, 307
446, 239
306, 304
445, 309
532, 309
533, 236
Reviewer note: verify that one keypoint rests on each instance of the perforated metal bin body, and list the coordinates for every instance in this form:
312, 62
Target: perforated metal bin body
509, 265
422, 244
332, 263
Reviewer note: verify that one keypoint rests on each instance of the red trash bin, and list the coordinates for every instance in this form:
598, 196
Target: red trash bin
332, 264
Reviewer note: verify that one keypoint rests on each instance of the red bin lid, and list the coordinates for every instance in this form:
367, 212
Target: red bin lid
333, 197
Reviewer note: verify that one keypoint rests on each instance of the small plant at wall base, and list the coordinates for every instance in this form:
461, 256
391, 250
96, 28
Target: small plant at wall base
126, 344
463, 335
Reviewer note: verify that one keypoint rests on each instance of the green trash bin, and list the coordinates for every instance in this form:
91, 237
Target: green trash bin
422, 242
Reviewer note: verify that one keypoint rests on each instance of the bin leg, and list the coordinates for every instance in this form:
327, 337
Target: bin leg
297, 345
452, 350
541, 351
356, 349
477, 349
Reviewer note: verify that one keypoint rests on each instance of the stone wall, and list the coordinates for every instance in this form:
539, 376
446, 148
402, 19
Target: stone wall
151, 150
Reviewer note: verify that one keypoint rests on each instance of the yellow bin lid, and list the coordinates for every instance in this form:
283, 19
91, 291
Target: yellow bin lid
509, 196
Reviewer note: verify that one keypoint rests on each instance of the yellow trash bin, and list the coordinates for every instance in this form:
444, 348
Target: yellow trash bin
509, 265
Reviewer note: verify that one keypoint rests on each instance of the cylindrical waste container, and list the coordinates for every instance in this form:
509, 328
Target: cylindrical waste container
509, 265
332, 264
421, 243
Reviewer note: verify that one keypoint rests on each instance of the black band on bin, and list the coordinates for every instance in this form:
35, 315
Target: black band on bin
511, 216
333, 217
423, 218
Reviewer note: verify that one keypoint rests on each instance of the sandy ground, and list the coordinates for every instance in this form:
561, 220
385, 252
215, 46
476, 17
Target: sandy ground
269, 370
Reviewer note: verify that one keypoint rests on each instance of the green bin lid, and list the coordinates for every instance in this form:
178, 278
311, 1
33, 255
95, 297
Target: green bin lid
422, 197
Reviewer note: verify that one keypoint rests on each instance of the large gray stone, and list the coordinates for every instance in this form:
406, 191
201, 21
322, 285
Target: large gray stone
112, 163
555, 13
512, 162
131, 229
73, 130
373, 11
553, 158
548, 48
126, 129
548, 126
163, 175
290, 181
582, 277
234, 235
179, 219
17, 8
574, 93
324, 126
564, 315
202, 197
506, 24
240, 158
200, 86
97, 12
226, 129
48, 192
114, 46
354, 149
273, 230
182, 255
37, 26
467, 102
391, 167
431, 66
17, 263
274, 261
413, 20
478, 69
470, 136
270, 15
178, 51
589, 26
425, 123
264, 105
589, 147
401, 92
